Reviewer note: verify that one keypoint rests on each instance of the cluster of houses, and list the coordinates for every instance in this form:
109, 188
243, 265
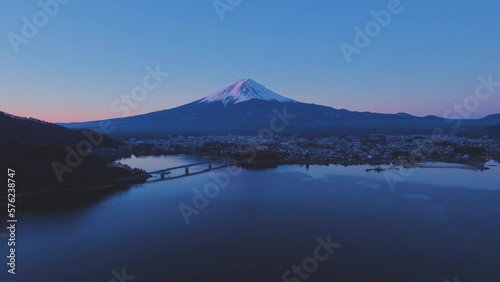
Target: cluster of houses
336, 149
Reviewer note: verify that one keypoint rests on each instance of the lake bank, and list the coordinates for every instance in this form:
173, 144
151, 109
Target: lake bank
264, 221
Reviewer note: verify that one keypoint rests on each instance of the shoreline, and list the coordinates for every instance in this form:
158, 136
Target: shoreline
476, 164
79, 194
40, 197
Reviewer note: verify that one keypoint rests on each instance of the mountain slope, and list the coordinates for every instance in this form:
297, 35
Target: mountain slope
246, 107
20, 132
30, 147
244, 90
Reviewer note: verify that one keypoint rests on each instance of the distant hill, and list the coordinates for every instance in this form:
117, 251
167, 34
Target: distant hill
491, 131
30, 147
492, 118
246, 107
20, 132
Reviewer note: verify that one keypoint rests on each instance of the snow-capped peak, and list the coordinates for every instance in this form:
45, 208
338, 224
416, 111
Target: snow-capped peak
244, 90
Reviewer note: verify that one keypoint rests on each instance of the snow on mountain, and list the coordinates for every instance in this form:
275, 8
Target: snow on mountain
245, 107
244, 90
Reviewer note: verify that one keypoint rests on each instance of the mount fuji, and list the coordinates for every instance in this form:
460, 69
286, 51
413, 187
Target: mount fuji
246, 107
244, 90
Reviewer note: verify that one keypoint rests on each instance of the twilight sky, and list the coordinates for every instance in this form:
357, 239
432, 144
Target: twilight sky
90, 52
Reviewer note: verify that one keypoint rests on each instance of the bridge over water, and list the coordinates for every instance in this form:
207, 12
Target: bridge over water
165, 174
212, 164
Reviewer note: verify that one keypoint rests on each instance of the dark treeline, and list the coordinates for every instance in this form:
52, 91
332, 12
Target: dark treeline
31, 147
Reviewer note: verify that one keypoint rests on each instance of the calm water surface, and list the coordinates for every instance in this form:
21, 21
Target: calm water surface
439, 223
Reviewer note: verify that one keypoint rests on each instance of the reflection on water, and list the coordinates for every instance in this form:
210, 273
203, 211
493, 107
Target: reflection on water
154, 163
439, 223
448, 175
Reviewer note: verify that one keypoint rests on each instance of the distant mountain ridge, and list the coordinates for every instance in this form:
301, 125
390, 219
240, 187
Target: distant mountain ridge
494, 118
246, 107
20, 132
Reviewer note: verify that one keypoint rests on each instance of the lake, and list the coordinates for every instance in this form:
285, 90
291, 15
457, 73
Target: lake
333, 223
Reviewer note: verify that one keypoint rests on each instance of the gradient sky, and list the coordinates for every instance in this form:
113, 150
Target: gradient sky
91, 52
